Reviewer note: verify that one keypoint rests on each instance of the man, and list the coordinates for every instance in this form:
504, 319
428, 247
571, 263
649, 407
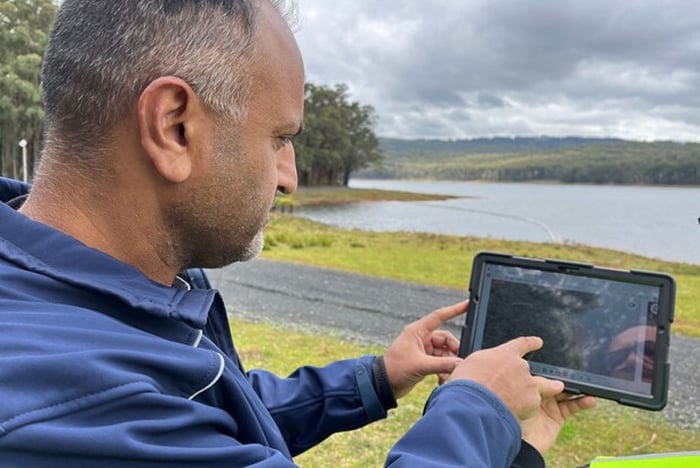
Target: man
169, 127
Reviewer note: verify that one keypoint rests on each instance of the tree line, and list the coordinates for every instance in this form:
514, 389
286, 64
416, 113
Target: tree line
338, 135
596, 161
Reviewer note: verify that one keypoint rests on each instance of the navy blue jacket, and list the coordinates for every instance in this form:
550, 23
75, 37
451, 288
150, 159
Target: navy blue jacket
101, 366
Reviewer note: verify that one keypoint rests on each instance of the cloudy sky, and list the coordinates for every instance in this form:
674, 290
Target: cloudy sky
473, 68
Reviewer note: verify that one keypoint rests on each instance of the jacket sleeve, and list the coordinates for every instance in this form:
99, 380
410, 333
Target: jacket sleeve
312, 403
528, 457
464, 425
316, 402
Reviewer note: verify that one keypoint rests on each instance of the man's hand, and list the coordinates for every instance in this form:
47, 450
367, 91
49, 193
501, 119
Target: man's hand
536, 402
503, 370
541, 430
421, 349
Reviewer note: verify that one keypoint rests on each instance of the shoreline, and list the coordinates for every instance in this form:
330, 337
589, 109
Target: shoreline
336, 196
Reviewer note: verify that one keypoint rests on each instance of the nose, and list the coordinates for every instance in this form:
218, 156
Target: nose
287, 170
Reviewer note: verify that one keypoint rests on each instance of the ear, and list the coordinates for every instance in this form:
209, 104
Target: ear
168, 111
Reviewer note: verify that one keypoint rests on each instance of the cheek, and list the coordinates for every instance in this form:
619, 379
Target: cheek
263, 168
257, 175
248, 168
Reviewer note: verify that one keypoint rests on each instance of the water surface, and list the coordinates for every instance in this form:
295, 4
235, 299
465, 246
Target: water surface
659, 222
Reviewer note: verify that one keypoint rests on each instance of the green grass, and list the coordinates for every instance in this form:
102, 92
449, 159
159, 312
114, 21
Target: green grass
441, 260
609, 429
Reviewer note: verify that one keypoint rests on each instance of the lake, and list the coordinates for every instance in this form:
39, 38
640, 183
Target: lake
659, 222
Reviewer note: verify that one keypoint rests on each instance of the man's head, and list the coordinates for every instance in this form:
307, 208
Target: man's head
203, 97
103, 53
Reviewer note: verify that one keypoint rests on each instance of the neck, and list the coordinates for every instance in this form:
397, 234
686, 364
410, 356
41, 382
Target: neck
112, 215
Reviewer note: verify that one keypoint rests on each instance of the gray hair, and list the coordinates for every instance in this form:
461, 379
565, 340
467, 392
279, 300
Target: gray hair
104, 53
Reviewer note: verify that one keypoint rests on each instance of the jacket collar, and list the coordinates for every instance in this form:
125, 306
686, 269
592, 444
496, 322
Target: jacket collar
39, 248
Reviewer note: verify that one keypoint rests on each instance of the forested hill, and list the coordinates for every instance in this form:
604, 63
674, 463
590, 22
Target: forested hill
488, 145
570, 160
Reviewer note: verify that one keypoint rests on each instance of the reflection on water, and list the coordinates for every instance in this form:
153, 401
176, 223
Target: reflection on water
652, 221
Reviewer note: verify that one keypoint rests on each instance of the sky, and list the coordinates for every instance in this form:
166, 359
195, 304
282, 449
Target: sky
452, 69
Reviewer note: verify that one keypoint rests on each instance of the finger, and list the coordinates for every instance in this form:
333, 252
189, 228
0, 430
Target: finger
548, 388
435, 319
444, 339
524, 344
568, 408
438, 365
569, 396
442, 352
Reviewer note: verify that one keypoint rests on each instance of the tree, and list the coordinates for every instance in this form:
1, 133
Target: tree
24, 32
338, 137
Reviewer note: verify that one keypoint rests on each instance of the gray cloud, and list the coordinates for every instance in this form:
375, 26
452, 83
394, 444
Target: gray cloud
454, 69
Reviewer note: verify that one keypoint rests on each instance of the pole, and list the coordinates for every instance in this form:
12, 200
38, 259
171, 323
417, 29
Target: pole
23, 145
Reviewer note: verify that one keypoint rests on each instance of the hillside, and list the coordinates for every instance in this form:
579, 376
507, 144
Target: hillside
569, 160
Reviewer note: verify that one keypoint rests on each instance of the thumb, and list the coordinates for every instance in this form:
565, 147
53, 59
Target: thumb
548, 388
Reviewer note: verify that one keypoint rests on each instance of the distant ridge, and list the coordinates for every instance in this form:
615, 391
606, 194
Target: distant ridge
491, 144
556, 159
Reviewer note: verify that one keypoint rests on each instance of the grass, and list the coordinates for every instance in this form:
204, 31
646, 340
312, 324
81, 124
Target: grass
609, 429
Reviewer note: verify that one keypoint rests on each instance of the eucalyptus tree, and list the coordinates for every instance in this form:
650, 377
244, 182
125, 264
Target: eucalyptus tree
338, 137
24, 32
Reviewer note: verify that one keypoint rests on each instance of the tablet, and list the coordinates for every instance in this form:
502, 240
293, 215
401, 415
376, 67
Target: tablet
606, 331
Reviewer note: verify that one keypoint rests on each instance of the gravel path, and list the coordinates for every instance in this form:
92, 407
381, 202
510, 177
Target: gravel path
373, 311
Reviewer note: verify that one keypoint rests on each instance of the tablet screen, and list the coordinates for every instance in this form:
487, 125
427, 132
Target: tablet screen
598, 332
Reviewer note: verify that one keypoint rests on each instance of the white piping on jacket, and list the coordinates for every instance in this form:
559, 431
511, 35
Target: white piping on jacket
198, 340
214, 380
187, 285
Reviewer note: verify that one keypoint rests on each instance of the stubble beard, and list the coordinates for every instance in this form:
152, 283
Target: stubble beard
234, 250
207, 243
254, 248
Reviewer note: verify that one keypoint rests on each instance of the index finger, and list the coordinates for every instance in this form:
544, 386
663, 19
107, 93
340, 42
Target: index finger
436, 318
524, 344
